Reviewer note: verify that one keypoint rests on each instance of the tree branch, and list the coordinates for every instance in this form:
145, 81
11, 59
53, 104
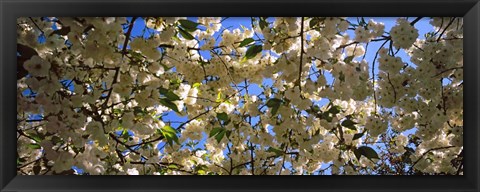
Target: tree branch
415, 21
393, 87
373, 72
301, 57
124, 52
448, 25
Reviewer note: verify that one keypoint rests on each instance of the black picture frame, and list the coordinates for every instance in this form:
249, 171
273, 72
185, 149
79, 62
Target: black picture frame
11, 9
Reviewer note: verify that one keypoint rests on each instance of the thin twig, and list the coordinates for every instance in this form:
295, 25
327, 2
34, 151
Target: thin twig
36, 25
301, 58
124, 52
346, 45
373, 73
393, 87
443, 98
447, 70
415, 21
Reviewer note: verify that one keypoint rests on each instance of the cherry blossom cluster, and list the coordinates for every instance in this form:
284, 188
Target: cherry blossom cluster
282, 96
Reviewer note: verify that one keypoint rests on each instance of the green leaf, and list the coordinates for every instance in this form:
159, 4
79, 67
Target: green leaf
169, 104
326, 116
406, 156
333, 60
349, 124
366, 152
170, 134
56, 139
357, 153
219, 97
125, 135
315, 21
124, 132
222, 116
37, 169
34, 146
253, 50
169, 94
169, 140
273, 102
172, 166
175, 83
348, 59
20, 161
169, 129
220, 135
200, 169
358, 136
277, 152
162, 90
117, 111
188, 25
334, 110
228, 133
37, 137
196, 85
246, 41
369, 152
263, 22
185, 34
275, 109
215, 131
138, 110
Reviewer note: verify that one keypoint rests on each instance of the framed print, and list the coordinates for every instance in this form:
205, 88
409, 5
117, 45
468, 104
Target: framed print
239, 95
